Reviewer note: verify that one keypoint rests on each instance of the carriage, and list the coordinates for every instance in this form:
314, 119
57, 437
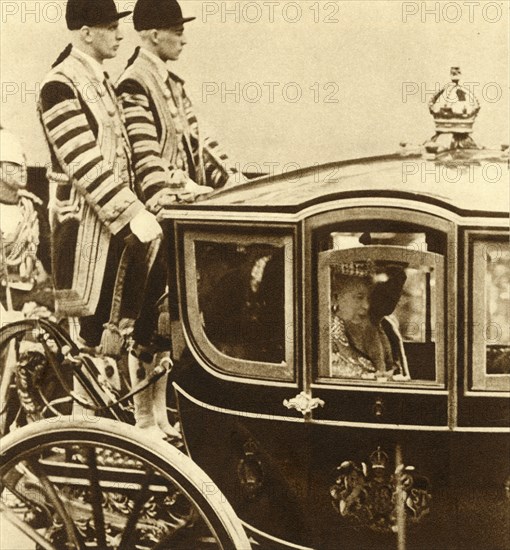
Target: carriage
284, 447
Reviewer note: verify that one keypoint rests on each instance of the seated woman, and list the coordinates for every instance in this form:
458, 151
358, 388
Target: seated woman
364, 342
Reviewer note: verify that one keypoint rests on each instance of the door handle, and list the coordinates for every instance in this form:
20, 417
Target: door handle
378, 407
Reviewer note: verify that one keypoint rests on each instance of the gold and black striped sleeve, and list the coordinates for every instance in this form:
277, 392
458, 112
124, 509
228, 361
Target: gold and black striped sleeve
153, 173
72, 132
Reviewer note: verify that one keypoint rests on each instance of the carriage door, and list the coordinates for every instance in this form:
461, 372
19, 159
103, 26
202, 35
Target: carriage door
381, 334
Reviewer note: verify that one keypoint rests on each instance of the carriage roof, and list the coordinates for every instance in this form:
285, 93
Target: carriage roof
469, 183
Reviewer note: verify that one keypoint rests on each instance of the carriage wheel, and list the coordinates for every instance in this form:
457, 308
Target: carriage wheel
106, 485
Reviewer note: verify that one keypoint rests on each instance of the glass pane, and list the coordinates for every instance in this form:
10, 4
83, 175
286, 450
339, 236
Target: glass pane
382, 321
241, 293
415, 310
497, 308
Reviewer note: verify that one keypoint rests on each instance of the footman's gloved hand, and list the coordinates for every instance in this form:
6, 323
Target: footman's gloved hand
146, 227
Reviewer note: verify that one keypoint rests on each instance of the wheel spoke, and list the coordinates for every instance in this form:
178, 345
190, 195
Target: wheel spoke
55, 500
135, 513
96, 496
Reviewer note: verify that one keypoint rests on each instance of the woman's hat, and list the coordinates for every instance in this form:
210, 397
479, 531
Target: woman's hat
364, 268
158, 14
91, 13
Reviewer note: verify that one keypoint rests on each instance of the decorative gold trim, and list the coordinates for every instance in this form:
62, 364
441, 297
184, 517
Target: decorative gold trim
304, 403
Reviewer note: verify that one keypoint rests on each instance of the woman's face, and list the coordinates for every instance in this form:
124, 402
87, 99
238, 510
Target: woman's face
352, 300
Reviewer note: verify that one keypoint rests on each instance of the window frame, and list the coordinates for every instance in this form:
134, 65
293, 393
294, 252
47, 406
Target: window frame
217, 360
476, 376
391, 253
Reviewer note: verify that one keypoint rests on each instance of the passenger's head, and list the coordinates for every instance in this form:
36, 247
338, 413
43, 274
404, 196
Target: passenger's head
351, 297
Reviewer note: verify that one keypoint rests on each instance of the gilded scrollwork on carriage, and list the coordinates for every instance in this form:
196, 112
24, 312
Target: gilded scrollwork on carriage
369, 495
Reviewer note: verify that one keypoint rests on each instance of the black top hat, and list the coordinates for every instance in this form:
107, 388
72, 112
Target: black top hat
91, 13
158, 14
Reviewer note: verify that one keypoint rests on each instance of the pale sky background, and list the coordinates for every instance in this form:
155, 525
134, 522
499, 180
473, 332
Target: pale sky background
363, 58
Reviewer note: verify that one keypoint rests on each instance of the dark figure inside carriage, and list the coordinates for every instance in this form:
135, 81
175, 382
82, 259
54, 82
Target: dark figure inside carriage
242, 304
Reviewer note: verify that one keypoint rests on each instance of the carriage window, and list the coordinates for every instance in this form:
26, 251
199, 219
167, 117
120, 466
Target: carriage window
491, 315
239, 288
380, 311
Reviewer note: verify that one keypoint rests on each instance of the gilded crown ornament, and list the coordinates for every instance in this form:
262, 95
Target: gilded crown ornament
379, 459
454, 107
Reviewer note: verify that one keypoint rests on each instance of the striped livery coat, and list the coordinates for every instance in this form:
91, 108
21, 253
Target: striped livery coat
164, 133
92, 186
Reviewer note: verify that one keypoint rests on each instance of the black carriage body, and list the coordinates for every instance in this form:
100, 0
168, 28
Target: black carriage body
264, 409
